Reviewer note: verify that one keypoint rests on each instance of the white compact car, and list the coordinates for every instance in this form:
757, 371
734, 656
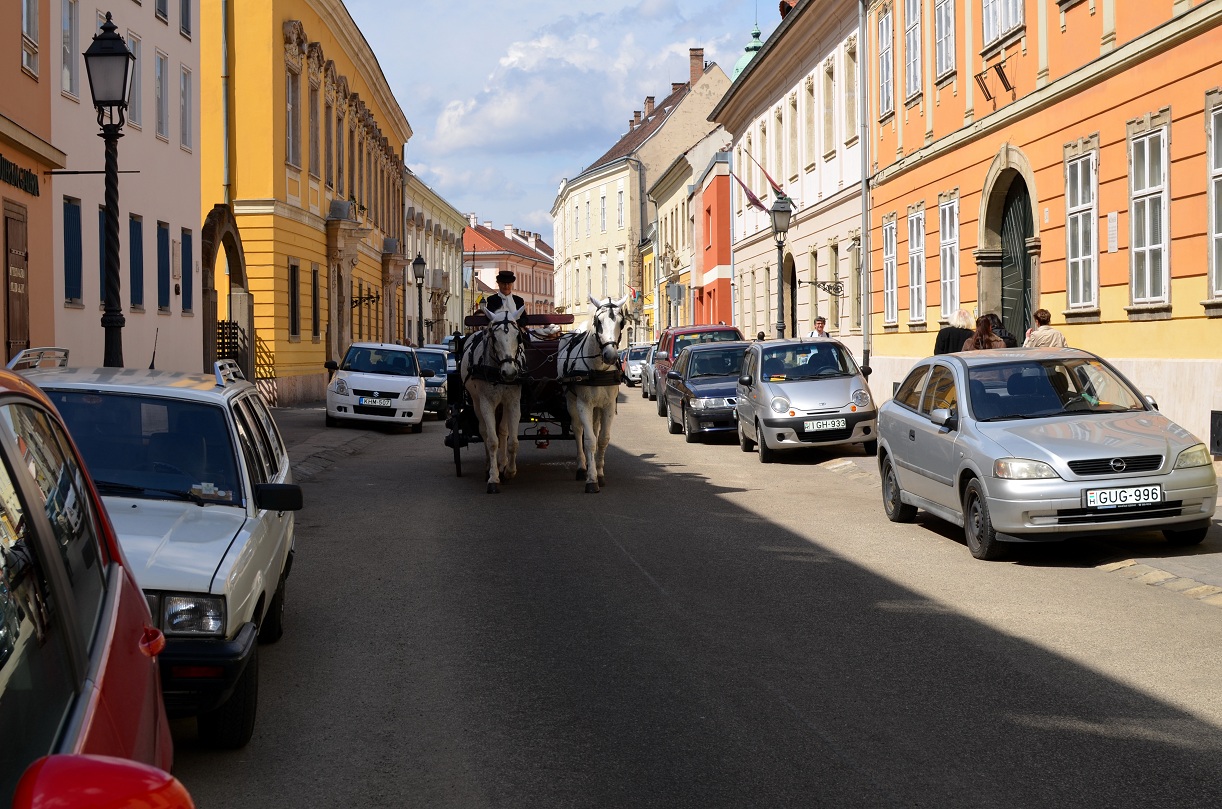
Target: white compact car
377, 382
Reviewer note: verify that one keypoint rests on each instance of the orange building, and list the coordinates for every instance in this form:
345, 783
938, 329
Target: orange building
712, 264
1065, 156
490, 250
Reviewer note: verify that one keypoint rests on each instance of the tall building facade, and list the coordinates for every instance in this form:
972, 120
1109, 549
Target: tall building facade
1062, 156
490, 250
302, 137
434, 231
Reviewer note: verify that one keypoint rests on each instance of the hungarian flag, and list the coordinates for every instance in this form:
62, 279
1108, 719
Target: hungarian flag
633, 294
751, 198
776, 188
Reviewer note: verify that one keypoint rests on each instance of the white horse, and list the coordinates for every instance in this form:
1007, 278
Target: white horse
491, 368
588, 365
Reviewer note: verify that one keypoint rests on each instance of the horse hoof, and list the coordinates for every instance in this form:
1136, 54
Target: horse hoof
602, 481
591, 488
581, 475
493, 488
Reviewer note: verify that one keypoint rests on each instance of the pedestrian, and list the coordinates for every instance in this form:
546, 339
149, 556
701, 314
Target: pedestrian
1043, 335
759, 338
983, 337
954, 333
1001, 331
820, 332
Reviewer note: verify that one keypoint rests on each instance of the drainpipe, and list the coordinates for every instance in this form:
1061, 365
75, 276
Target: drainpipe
863, 108
225, 97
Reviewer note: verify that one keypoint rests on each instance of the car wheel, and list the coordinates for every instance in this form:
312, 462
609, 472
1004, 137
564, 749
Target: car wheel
661, 398
671, 427
871, 448
897, 510
230, 726
332, 421
689, 435
744, 443
418, 427
644, 390
1190, 536
767, 454
978, 525
272, 627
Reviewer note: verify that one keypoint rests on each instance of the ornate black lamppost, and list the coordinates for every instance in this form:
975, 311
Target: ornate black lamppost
781, 212
108, 63
418, 271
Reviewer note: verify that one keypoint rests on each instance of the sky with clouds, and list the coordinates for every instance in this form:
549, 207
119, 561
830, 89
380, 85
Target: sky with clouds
505, 99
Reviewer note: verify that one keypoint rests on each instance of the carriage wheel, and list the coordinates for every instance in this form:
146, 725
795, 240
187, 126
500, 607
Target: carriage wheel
457, 462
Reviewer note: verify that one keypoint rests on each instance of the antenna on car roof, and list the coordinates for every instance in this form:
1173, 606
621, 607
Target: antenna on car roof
154, 359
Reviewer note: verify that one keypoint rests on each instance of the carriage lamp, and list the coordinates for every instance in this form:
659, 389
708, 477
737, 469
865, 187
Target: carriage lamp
419, 268
782, 211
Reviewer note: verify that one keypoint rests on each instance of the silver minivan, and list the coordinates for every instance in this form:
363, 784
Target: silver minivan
803, 393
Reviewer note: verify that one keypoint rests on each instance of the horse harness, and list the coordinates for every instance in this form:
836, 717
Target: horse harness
482, 370
571, 375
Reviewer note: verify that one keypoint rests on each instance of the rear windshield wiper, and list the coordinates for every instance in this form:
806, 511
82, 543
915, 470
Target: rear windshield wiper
179, 494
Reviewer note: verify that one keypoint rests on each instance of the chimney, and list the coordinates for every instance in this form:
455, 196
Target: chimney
696, 58
488, 224
648, 106
676, 86
636, 119
531, 241
472, 220
631, 125
509, 231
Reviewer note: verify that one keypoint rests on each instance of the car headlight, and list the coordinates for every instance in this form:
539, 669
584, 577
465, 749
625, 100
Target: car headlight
780, 405
410, 393
1019, 469
1193, 456
341, 387
700, 404
193, 615
861, 398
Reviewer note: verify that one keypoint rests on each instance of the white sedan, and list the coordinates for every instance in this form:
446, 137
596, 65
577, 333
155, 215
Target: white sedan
379, 382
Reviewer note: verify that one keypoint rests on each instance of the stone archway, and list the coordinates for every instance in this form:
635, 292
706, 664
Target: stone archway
1008, 239
790, 276
221, 231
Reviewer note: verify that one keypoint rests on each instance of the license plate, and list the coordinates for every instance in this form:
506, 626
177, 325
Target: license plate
824, 424
367, 402
1127, 496
706, 425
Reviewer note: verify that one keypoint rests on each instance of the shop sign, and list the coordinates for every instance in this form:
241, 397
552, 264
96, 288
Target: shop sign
16, 176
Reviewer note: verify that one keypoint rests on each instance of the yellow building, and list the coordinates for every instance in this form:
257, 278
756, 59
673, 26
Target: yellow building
302, 139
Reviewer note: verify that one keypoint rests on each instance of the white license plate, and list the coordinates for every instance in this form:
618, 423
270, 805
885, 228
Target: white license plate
1127, 496
824, 424
367, 402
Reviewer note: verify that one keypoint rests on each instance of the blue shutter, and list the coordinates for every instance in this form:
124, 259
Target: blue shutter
163, 265
72, 250
188, 296
135, 248
102, 255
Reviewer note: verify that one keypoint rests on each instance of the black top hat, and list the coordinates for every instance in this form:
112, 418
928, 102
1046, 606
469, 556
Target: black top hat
505, 277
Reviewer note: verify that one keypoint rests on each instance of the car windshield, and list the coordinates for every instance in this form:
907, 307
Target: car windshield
388, 361
637, 354
432, 361
150, 446
684, 340
715, 363
1043, 388
806, 361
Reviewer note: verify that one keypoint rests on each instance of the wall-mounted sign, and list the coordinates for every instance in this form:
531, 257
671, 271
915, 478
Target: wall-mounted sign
14, 175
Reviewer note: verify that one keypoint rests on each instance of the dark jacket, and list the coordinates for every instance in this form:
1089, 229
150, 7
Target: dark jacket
1000, 330
951, 339
495, 302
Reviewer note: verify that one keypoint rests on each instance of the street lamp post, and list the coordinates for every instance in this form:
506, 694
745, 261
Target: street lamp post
781, 212
108, 64
418, 270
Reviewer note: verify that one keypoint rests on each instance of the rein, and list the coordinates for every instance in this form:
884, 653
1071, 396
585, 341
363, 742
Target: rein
571, 374
482, 344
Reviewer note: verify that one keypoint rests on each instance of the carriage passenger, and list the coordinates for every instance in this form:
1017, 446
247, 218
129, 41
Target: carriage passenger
504, 298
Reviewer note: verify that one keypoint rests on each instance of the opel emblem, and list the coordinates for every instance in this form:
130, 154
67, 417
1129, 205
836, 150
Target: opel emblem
1118, 465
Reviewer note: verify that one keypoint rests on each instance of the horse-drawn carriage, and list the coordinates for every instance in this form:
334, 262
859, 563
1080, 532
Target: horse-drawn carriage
543, 387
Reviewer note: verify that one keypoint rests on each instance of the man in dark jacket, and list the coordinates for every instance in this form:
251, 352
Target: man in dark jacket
504, 297
999, 329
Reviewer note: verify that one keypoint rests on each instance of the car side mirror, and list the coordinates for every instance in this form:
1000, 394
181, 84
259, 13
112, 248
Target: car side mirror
866, 370
944, 417
673, 375
427, 373
1152, 402
331, 365
59, 780
278, 496
745, 380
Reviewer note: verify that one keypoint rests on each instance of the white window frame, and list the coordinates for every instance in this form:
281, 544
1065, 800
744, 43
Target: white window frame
29, 36
1081, 244
135, 107
186, 103
619, 203
577, 221
313, 95
1214, 140
292, 117
890, 288
948, 255
1147, 204
602, 212
70, 74
161, 69
184, 18
886, 64
916, 266
1000, 17
944, 38
912, 48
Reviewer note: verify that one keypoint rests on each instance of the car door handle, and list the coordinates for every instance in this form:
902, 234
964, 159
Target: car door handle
912, 435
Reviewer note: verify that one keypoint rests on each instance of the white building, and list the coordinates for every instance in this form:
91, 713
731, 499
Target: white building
159, 187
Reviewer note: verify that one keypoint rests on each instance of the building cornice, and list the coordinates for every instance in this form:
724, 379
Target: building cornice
31, 145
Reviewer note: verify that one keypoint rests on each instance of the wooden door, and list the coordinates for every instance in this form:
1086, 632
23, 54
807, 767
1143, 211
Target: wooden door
16, 281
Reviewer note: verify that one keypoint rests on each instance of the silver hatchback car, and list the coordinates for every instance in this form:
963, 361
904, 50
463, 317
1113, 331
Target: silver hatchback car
1037, 445
803, 393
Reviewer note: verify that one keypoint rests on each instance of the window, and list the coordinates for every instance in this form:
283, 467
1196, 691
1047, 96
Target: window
939, 391
619, 205
1000, 18
188, 267
184, 17
339, 156
29, 35
70, 78
162, 9
315, 306
352, 164
163, 267
948, 255
329, 146
944, 37
1082, 274
72, 250
360, 174
890, 292
850, 94
602, 213
135, 261
909, 392
587, 217
576, 221
833, 270
1215, 186
886, 69
134, 107
603, 263
808, 123
161, 94
792, 136
292, 118
294, 299
912, 48
778, 146
829, 109
916, 266
1148, 235
315, 145
185, 105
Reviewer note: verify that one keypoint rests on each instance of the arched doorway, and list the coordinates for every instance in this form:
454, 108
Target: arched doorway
1016, 306
1008, 258
221, 231
791, 297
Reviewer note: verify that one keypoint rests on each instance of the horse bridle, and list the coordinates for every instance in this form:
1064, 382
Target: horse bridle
489, 346
601, 343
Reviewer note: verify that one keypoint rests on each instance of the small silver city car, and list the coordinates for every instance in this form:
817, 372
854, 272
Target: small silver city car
1036, 445
803, 393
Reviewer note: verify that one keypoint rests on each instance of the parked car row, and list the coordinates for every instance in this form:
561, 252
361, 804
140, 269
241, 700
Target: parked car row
146, 535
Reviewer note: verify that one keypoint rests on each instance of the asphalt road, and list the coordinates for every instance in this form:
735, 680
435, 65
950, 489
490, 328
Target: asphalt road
706, 631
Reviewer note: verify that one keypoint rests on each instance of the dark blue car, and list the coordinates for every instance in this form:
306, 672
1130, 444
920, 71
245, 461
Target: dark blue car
700, 387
